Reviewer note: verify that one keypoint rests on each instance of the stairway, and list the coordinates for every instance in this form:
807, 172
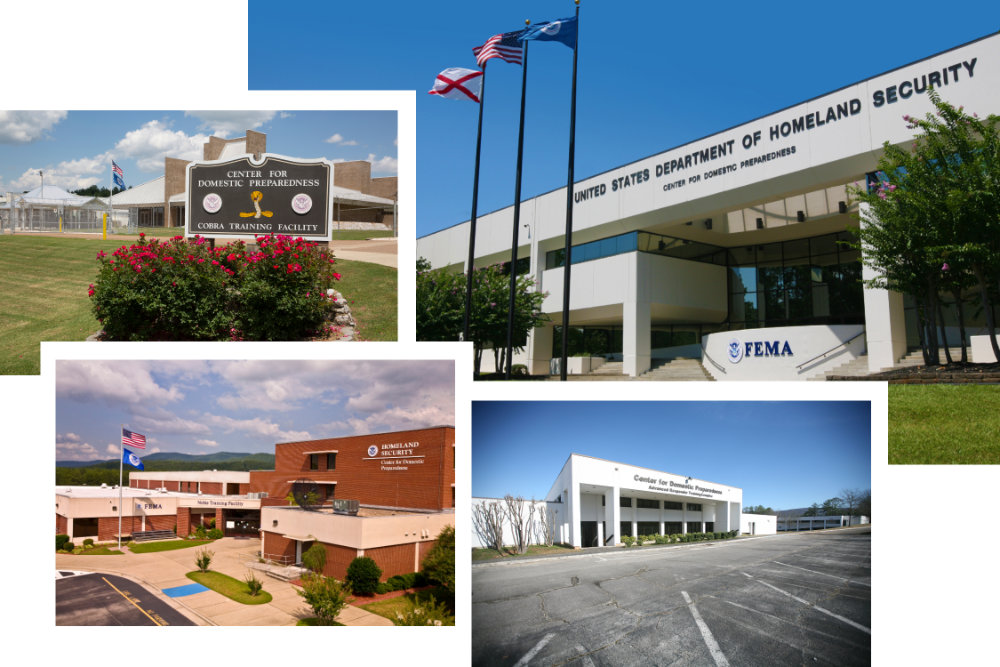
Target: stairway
859, 367
677, 370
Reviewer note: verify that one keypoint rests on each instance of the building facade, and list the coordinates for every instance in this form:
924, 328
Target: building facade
385, 495
733, 248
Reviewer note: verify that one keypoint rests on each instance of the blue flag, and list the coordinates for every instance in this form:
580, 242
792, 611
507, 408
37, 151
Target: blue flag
561, 30
117, 175
131, 459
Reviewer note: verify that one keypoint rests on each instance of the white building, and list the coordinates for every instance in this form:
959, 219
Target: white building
729, 248
758, 524
594, 502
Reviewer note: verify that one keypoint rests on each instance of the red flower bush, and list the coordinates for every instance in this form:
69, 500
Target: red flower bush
184, 290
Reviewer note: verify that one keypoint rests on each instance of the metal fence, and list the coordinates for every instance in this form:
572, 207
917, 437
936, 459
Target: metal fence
60, 219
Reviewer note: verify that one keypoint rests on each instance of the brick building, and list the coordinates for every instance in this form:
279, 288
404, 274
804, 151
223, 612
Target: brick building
384, 495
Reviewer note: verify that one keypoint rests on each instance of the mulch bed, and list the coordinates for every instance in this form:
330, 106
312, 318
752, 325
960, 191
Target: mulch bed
366, 599
954, 373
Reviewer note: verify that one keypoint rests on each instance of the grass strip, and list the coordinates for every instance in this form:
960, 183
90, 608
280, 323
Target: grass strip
479, 554
166, 545
944, 424
371, 291
312, 620
233, 589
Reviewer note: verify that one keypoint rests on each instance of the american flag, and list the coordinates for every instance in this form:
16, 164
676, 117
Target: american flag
131, 439
117, 176
503, 46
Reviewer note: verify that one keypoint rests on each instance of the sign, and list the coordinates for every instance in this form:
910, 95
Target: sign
395, 456
680, 488
777, 348
241, 198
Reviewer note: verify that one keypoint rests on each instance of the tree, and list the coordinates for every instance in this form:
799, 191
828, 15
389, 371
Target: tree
439, 564
934, 220
520, 514
363, 575
326, 596
812, 510
832, 506
441, 308
853, 498
758, 509
487, 521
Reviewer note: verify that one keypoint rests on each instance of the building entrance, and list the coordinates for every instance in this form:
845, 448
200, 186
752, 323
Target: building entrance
241, 523
588, 534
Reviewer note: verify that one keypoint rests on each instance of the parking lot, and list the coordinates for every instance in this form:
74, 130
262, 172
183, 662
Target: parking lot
786, 599
106, 599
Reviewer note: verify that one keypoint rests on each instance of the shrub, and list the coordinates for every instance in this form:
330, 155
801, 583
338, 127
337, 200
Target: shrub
89, 542
363, 575
326, 596
519, 370
184, 290
401, 582
439, 563
61, 541
203, 559
628, 540
211, 523
425, 612
68, 546
315, 558
215, 534
662, 539
254, 585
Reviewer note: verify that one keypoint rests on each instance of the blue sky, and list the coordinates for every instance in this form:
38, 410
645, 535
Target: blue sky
74, 148
652, 75
201, 407
782, 454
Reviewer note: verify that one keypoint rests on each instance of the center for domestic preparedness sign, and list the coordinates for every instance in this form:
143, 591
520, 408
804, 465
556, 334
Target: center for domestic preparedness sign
278, 195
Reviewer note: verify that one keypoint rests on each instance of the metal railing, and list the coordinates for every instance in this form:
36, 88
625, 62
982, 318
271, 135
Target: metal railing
835, 347
705, 355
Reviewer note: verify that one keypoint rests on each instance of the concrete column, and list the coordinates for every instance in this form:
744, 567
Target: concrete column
616, 514
702, 526
661, 526
885, 324
600, 533
540, 349
635, 528
635, 337
573, 509
684, 518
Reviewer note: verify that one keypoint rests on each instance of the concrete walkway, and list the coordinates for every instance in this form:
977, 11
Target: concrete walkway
376, 251
168, 569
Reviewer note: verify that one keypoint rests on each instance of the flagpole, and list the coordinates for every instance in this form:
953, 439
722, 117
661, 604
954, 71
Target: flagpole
472, 226
569, 207
517, 216
121, 458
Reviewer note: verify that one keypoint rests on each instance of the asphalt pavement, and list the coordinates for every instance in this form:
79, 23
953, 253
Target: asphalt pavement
802, 598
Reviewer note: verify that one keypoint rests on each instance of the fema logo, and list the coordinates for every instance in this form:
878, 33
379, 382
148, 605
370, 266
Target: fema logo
133, 459
735, 351
552, 28
373, 450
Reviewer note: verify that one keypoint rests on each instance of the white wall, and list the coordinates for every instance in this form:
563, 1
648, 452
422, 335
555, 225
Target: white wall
728, 349
764, 524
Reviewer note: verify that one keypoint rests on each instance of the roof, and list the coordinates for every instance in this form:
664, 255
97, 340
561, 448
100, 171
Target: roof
150, 192
50, 195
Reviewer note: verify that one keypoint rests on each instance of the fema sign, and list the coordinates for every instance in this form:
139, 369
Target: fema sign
737, 350
243, 198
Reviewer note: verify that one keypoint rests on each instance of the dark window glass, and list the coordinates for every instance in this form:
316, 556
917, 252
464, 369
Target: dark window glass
648, 504
671, 505
314, 461
626, 528
331, 461
624, 502
694, 507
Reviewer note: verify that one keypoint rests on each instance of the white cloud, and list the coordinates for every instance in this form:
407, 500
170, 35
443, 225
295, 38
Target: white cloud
21, 127
207, 443
224, 123
285, 114
383, 165
258, 427
69, 448
114, 382
154, 141
335, 139
112, 449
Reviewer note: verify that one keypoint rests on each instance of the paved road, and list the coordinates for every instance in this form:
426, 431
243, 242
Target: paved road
787, 599
107, 599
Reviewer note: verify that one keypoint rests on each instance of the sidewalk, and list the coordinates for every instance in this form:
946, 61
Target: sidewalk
167, 569
376, 251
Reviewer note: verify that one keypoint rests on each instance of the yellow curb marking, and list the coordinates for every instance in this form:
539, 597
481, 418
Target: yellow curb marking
134, 601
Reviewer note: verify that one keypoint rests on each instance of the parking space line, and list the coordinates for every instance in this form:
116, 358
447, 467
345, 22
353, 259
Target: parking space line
584, 658
533, 652
713, 646
814, 606
851, 581
130, 599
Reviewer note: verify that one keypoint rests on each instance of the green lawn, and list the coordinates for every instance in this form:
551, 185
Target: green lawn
389, 608
101, 551
944, 424
312, 620
44, 281
166, 545
533, 550
371, 290
233, 589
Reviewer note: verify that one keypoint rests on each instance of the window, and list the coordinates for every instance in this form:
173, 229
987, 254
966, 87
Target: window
648, 504
694, 507
624, 502
649, 527
671, 505
331, 461
314, 461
